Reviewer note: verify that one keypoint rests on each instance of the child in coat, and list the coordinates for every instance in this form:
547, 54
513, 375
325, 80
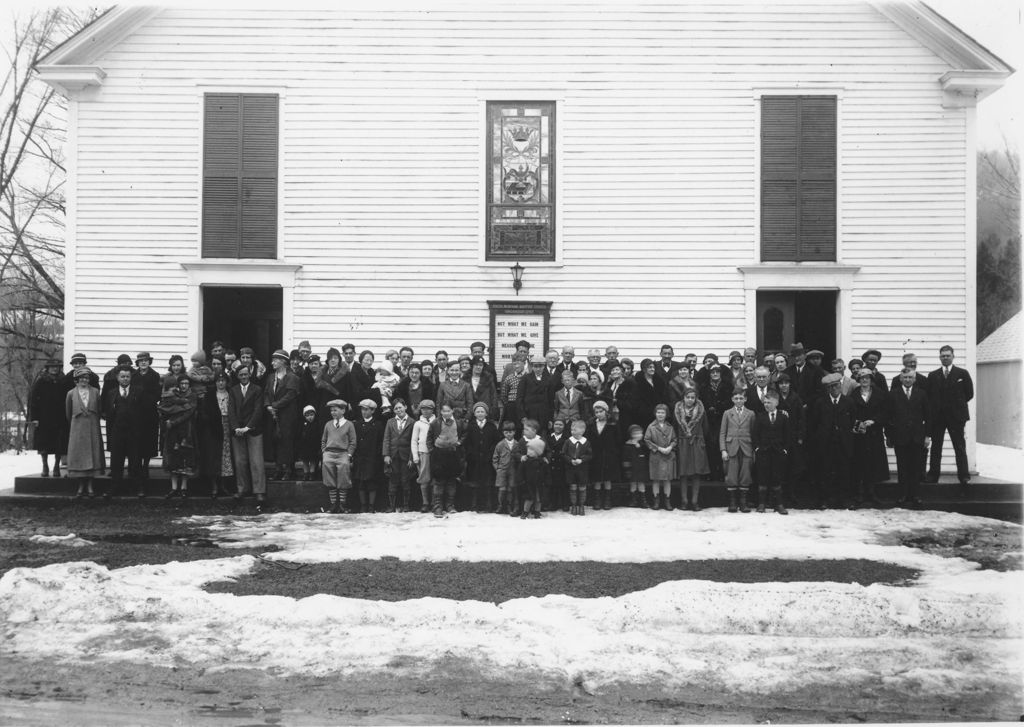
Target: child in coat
691, 430
309, 443
607, 447
737, 449
481, 436
660, 438
505, 460
557, 493
635, 458
577, 454
533, 470
421, 452
447, 459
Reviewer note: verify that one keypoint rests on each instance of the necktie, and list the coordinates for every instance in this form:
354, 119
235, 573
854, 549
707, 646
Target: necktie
907, 390
945, 372
337, 424
124, 393
772, 417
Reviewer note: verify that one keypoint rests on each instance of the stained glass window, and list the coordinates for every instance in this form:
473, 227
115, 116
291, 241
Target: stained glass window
520, 180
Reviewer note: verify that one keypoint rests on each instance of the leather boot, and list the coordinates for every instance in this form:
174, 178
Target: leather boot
438, 501
779, 507
668, 501
655, 501
743, 501
732, 501
634, 499
762, 495
391, 502
573, 496
502, 501
606, 503
450, 499
362, 501
696, 496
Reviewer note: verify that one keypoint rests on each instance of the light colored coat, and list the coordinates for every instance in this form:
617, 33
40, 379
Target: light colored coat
735, 433
85, 443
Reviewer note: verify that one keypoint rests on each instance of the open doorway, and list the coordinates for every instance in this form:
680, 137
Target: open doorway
243, 316
785, 317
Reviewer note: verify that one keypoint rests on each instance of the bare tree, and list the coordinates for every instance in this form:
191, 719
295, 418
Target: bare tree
32, 175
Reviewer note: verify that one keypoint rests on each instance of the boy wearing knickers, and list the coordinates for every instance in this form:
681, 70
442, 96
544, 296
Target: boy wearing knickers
337, 445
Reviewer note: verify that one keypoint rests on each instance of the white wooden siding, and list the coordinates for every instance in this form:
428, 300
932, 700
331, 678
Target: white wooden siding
656, 159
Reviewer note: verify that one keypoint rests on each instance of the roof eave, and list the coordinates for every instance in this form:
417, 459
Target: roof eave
88, 44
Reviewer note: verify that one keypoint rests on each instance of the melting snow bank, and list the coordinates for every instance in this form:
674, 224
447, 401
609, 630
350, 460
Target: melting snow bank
70, 540
746, 637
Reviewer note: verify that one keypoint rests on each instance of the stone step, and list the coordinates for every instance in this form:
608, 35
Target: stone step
984, 497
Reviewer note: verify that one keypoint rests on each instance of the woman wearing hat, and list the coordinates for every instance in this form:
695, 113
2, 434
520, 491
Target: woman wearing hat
870, 460
178, 422
651, 390
148, 381
46, 402
85, 443
281, 399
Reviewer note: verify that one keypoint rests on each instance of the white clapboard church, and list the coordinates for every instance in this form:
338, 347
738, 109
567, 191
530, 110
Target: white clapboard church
709, 175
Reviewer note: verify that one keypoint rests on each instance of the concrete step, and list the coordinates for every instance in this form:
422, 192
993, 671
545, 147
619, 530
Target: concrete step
984, 496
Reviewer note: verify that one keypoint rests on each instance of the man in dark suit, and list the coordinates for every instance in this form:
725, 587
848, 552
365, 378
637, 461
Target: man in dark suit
805, 377
666, 368
122, 410
756, 394
568, 363
611, 358
830, 425
907, 433
245, 419
773, 436
535, 396
949, 389
920, 380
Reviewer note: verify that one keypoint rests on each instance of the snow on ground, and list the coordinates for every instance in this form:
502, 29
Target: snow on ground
1001, 463
70, 540
956, 630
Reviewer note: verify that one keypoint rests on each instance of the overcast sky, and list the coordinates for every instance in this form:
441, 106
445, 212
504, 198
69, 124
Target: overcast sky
996, 24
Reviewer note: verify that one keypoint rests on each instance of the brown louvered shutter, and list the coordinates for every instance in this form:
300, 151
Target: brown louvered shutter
240, 145
798, 178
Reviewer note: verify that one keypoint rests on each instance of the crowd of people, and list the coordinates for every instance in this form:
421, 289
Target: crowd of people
551, 432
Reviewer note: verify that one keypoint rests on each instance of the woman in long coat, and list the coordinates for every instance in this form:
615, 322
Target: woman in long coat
46, 411
85, 443
651, 390
215, 448
692, 429
870, 462
178, 423
148, 381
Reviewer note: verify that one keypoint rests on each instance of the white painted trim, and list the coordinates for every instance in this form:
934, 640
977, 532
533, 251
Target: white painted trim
243, 87
801, 276
70, 80
71, 231
240, 273
511, 93
797, 90
971, 272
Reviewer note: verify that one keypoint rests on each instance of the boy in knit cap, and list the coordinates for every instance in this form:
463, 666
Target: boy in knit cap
338, 444
533, 467
421, 452
635, 457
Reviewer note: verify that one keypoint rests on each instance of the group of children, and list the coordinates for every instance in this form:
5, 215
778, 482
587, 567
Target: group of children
570, 467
